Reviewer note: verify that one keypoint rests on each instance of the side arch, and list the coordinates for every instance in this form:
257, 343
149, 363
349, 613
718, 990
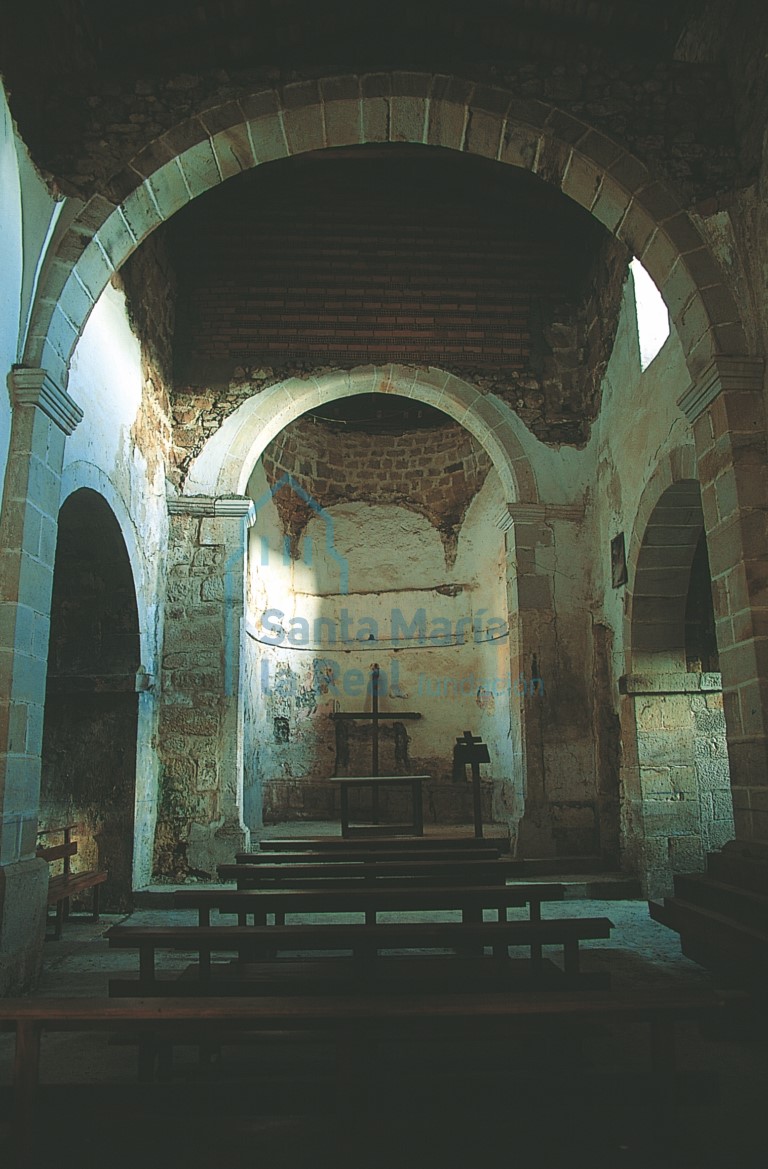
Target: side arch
677, 804
91, 717
667, 528
431, 109
79, 474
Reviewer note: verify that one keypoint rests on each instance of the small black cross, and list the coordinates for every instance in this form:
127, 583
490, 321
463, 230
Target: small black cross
470, 749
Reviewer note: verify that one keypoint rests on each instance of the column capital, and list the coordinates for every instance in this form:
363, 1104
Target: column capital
538, 513
36, 387
213, 507
723, 373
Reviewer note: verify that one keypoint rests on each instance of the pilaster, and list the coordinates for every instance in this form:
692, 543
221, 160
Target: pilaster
43, 416
201, 716
726, 409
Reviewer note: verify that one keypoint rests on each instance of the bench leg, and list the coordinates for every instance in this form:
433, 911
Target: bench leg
571, 956
26, 1079
165, 1061
65, 903
96, 890
60, 917
664, 1065
353, 1065
146, 1072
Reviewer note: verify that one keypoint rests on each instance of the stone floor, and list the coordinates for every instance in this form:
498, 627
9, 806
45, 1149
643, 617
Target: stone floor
462, 1105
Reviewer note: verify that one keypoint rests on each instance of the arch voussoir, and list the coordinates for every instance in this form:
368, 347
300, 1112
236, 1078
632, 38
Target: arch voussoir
403, 106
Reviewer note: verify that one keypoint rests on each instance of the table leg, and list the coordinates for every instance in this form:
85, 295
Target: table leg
418, 809
534, 911
344, 811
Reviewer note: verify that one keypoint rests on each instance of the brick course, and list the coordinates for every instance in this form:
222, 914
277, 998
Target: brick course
433, 472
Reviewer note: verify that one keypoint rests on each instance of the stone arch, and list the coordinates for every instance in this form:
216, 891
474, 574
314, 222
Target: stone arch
675, 775
81, 474
228, 458
435, 110
667, 528
90, 733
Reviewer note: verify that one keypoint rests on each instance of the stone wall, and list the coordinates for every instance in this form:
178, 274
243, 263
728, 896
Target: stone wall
683, 809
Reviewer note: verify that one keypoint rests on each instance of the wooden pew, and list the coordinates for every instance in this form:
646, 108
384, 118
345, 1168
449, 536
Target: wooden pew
253, 943
348, 874
353, 854
381, 843
355, 1024
67, 884
469, 900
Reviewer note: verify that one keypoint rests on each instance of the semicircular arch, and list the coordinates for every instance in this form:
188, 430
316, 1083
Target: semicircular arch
433, 110
225, 464
667, 529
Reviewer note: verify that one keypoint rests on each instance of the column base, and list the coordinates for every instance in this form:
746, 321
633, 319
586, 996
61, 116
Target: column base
23, 908
211, 845
534, 833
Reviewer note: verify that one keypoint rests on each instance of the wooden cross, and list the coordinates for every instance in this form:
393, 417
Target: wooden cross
470, 749
375, 717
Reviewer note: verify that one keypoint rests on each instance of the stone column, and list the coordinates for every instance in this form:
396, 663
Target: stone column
200, 819
43, 415
726, 409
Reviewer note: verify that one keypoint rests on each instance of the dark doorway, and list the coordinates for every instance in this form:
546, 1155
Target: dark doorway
91, 705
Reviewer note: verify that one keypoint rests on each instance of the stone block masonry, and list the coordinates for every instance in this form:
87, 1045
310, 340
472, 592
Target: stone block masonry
200, 732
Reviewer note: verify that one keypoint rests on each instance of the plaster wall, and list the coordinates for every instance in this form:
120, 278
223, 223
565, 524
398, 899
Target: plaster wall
378, 572
116, 453
27, 214
11, 265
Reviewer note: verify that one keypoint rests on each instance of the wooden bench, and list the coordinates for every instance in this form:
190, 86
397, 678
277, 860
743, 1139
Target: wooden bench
471, 900
254, 943
349, 874
351, 855
65, 885
355, 1025
374, 844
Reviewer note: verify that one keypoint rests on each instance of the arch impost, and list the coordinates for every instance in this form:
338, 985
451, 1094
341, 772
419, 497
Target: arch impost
722, 373
679, 683
538, 513
213, 506
35, 387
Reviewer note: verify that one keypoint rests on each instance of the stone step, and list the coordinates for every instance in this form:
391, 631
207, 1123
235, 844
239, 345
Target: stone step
730, 945
743, 905
745, 871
